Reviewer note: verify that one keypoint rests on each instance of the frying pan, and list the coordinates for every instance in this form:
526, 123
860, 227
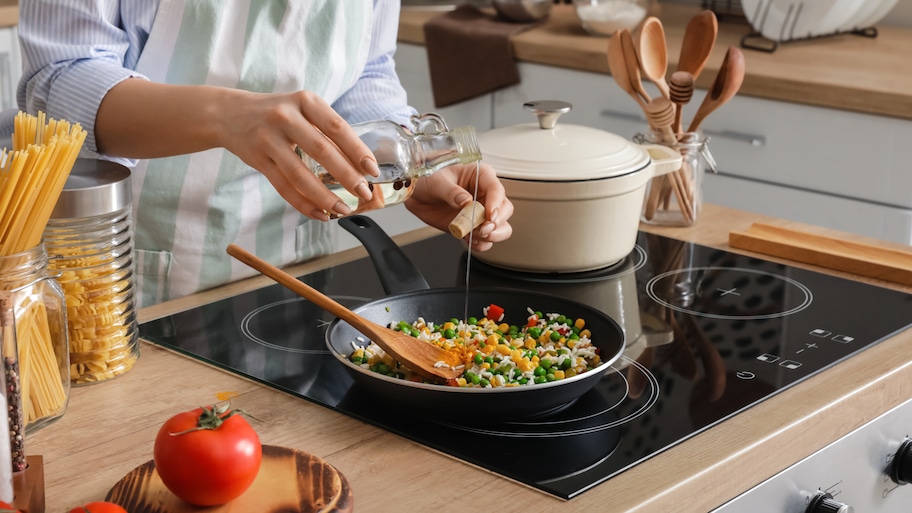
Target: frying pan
398, 275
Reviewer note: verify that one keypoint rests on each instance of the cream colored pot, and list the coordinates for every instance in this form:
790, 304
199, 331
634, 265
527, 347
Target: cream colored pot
578, 191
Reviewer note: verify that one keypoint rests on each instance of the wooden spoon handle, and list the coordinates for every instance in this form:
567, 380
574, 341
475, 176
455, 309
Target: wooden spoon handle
302, 289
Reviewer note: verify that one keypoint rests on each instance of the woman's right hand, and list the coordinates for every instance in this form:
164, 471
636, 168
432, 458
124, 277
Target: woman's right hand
261, 129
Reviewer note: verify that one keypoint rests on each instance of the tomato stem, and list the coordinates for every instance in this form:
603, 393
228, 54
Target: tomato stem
212, 417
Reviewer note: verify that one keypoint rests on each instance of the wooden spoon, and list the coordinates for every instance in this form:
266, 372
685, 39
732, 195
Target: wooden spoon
654, 53
728, 81
417, 355
617, 65
699, 40
632, 61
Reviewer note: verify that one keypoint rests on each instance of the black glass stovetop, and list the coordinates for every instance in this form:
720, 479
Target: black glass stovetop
709, 333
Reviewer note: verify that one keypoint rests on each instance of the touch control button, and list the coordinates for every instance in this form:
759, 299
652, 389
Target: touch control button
825, 503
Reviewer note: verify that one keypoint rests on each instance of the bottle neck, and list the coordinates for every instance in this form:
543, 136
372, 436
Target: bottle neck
435, 152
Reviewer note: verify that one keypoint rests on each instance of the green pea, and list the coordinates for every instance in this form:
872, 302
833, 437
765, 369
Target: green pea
574, 336
489, 359
535, 332
523, 380
555, 336
566, 363
454, 320
483, 382
545, 364
539, 380
561, 319
550, 377
539, 371
382, 368
449, 333
478, 358
472, 321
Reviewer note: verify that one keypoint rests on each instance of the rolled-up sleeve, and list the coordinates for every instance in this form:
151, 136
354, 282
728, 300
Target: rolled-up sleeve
378, 94
75, 51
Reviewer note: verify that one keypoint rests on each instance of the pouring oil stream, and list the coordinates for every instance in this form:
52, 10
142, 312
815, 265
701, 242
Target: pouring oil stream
471, 238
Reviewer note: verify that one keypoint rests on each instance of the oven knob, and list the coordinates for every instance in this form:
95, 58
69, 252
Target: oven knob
825, 503
901, 469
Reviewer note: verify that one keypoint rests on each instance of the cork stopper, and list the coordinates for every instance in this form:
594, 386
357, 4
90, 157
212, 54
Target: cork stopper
470, 217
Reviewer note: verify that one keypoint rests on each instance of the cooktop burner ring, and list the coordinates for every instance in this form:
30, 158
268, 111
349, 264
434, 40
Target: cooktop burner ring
686, 290
629, 264
249, 332
538, 426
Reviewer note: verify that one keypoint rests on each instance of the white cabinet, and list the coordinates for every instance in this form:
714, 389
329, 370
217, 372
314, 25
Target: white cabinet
832, 168
10, 67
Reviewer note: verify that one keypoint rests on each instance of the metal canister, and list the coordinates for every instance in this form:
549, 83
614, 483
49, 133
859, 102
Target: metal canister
89, 242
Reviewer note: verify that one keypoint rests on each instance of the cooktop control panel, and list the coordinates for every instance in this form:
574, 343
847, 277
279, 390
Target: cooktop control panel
867, 470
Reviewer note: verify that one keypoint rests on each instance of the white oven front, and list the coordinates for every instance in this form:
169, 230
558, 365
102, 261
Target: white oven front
865, 471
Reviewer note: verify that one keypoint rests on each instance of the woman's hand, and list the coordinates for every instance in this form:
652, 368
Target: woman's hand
261, 129
439, 197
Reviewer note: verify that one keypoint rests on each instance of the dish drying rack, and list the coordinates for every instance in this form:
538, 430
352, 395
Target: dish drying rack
755, 40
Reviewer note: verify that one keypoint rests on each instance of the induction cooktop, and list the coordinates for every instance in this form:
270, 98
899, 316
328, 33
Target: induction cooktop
709, 333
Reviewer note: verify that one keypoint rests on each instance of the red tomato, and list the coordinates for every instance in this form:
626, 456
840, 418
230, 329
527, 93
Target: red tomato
99, 507
208, 456
6, 507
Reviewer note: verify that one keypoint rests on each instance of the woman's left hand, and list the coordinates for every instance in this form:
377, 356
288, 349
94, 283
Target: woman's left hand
439, 197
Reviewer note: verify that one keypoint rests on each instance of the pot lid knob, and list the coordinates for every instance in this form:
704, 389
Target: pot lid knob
547, 111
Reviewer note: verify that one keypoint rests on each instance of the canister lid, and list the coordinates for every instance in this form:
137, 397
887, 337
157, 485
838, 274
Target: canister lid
94, 187
550, 151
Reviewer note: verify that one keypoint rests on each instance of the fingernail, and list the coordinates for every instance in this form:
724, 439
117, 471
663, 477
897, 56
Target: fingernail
371, 167
341, 208
486, 229
462, 199
319, 213
494, 215
363, 191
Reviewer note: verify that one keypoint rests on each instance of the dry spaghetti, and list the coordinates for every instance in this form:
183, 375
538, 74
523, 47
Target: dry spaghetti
32, 177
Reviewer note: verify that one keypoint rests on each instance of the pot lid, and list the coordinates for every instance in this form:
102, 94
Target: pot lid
549, 151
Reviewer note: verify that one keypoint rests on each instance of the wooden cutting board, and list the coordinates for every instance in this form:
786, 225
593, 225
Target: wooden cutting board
288, 481
893, 265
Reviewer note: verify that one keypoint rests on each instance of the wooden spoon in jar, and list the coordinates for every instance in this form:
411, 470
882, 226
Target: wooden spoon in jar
419, 356
727, 83
699, 40
654, 53
617, 65
632, 60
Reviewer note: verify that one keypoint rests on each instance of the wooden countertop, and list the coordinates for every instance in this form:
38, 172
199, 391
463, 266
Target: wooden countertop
850, 72
109, 427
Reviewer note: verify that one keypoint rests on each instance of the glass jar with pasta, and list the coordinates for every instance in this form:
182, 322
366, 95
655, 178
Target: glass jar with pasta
89, 240
40, 318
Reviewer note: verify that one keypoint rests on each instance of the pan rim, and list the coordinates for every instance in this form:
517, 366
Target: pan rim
600, 370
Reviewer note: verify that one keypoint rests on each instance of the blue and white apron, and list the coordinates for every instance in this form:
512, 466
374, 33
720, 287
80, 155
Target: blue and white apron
188, 208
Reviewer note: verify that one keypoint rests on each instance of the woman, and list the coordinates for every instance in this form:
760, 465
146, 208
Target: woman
207, 100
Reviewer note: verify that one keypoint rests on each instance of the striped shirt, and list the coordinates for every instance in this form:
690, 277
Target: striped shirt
187, 208
75, 51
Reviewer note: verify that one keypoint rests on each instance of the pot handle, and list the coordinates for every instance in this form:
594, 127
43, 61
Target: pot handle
396, 272
665, 159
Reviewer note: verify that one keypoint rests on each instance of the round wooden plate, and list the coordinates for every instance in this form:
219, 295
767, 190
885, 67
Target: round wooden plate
288, 481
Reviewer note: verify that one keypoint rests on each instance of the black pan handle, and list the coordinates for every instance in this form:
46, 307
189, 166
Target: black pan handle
397, 273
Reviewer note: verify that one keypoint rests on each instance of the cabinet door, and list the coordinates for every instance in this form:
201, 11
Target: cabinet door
836, 212
10, 67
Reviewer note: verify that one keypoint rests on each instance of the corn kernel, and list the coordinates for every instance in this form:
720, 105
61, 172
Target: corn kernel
558, 374
503, 349
504, 327
461, 382
585, 333
530, 343
493, 339
579, 324
486, 365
